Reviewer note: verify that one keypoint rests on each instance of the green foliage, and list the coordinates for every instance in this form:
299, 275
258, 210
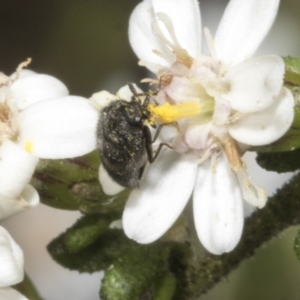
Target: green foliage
166, 287
132, 271
288, 161
84, 251
292, 70
73, 184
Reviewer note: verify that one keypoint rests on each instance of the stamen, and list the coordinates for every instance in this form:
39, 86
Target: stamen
210, 43
233, 155
168, 113
165, 19
4, 112
252, 192
210, 153
22, 65
172, 46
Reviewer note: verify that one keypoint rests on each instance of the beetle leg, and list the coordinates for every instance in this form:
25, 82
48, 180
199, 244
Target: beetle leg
159, 149
149, 141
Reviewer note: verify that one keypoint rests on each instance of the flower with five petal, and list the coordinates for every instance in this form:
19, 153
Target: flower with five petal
242, 103
38, 119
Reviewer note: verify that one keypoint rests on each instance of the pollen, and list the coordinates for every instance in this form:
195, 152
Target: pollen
168, 113
29, 146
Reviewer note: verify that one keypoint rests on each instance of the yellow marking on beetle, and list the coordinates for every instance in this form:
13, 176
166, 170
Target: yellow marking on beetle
168, 113
29, 146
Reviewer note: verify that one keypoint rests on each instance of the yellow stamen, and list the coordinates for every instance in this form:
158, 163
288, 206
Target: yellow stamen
29, 146
168, 113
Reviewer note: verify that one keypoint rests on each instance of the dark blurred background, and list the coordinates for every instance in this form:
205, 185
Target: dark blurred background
84, 43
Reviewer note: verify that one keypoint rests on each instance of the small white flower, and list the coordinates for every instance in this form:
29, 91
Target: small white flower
241, 103
11, 266
37, 120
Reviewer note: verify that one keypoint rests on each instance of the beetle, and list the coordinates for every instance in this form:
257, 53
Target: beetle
124, 141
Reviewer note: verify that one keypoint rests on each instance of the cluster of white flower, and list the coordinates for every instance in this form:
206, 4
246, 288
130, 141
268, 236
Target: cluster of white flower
240, 100
242, 103
38, 119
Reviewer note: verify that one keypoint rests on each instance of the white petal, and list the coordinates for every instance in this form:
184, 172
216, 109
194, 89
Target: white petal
186, 20
27, 199
59, 128
199, 136
243, 27
30, 89
101, 100
11, 294
184, 89
151, 210
11, 260
266, 126
142, 39
23, 73
109, 186
218, 207
255, 83
16, 169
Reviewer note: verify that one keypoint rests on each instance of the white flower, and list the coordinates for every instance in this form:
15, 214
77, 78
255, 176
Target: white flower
37, 120
11, 266
241, 102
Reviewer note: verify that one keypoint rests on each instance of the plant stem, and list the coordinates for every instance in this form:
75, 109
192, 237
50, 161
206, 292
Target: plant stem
27, 288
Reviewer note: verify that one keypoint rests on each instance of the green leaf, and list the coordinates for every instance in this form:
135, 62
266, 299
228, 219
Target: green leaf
289, 142
131, 270
280, 161
297, 245
85, 232
165, 287
87, 246
73, 184
135, 272
292, 70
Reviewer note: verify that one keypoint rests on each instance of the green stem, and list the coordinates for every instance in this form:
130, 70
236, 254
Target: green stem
27, 289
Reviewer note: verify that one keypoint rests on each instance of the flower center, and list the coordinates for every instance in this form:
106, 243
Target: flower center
8, 108
8, 126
